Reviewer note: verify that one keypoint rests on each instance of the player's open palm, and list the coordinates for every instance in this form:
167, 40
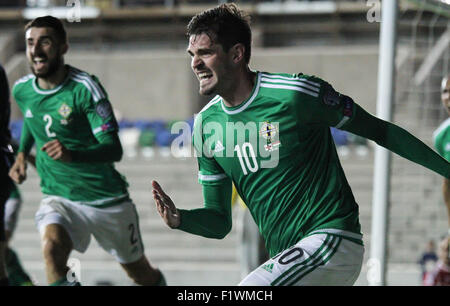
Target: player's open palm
165, 206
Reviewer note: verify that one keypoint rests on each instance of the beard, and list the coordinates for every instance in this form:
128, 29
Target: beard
53, 66
207, 91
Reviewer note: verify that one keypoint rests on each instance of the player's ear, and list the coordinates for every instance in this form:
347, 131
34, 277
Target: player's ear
64, 48
238, 52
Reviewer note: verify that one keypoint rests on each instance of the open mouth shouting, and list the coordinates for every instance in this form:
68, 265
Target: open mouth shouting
203, 77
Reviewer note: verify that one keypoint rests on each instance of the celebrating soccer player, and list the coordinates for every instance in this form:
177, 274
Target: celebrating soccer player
67, 114
269, 134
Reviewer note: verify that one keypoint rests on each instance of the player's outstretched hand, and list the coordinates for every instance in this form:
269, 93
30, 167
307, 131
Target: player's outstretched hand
165, 206
18, 171
57, 151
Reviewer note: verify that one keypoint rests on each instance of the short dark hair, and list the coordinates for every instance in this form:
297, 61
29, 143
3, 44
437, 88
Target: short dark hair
49, 22
225, 24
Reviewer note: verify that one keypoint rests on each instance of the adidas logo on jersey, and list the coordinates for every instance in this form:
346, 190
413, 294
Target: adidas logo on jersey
268, 267
219, 147
28, 114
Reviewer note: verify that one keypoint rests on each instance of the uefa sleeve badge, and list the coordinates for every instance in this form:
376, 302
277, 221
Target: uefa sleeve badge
330, 96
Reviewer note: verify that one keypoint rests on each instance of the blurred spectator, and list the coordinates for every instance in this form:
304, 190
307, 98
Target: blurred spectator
440, 275
428, 259
12, 3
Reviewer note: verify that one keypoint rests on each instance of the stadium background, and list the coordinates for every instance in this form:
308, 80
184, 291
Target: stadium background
137, 49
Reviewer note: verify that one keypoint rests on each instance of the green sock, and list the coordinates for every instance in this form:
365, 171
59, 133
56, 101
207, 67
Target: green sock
64, 282
16, 274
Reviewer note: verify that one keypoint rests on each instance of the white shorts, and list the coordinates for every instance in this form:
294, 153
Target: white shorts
116, 228
322, 259
12, 209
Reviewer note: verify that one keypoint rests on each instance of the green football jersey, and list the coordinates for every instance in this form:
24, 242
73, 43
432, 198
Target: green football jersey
75, 113
442, 139
277, 149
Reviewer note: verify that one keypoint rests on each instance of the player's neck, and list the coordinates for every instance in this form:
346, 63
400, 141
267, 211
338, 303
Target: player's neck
241, 89
55, 79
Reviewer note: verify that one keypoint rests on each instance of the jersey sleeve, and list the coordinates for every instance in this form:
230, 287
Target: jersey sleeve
26, 139
209, 171
98, 109
214, 220
317, 102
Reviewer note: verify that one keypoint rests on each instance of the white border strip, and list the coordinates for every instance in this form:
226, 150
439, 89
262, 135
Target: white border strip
48, 92
271, 76
342, 122
244, 106
213, 177
337, 232
292, 82
311, 93
97, 202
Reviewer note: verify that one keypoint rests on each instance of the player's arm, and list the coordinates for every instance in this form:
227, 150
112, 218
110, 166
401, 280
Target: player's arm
109, 149
211, 221
18, 171
340, 111
30, 157
214, 219
397, 140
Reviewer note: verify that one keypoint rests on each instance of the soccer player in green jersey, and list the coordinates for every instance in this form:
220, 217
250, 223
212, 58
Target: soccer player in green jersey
442, 140
269, 134
68, 116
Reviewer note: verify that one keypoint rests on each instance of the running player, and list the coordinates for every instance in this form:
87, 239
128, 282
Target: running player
269, 134
67, 114
442, 141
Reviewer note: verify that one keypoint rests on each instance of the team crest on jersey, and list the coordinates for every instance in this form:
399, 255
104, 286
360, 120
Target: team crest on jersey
269, 132
65, 111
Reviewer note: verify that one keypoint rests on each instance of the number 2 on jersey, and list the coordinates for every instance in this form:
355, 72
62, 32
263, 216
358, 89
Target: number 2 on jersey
49, 120
243, 156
